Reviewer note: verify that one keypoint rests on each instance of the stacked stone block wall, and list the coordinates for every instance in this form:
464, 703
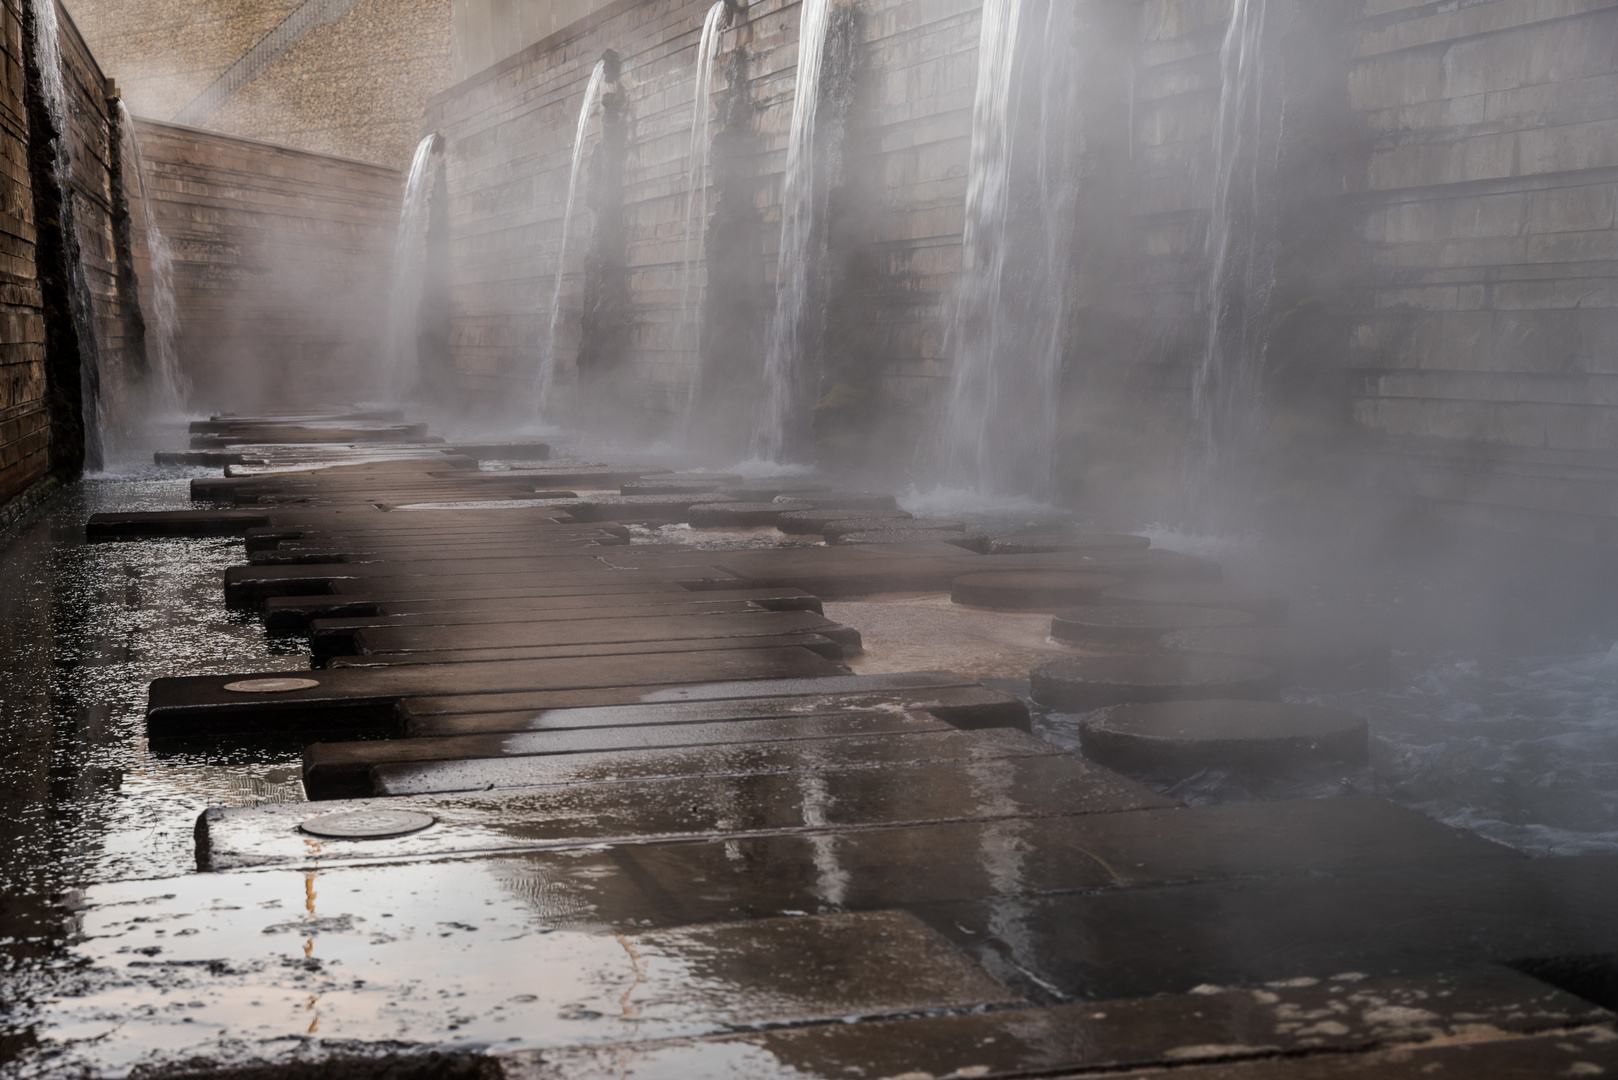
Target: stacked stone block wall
24, 419
281, 263
1444, 284
353, 88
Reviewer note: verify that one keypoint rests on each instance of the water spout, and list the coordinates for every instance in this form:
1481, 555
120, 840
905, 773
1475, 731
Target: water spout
1008, 320
1239, 254
696, 199
791, 371
169, 387
547, 361
403, 370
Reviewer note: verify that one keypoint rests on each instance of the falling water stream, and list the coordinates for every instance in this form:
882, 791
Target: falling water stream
1008, 321
53, 88
404, 294
696, 199
1239, 254
169, 386
547, 361
790, 370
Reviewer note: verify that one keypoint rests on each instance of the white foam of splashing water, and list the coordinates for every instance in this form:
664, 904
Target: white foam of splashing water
547, 360
1007, 334
696, 198
787, 376
170, 387
404, 293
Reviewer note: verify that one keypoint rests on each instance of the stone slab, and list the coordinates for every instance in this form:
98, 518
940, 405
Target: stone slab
364, 697
967, 707
336, 769
1413, 918
462, 954
1475, 1007
688, 807
930, 682
746, 758
817, 643
648, 627
296, 612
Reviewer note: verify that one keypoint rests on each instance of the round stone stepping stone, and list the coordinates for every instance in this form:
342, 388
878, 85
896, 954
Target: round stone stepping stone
881, 524
737, 515
977, 543
815, 520
1030, 590
1119, 624
270, 686
765, 490
380, 824
1048, 543
1179, 738
1265, 605
850, 500
1085, 683
1323, 658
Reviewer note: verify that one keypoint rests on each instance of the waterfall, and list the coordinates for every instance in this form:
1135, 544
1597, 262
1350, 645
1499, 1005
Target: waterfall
547, 361
404, 292
791, 373
53, 90
1008, 320
169, 386
1239, 252
696, 198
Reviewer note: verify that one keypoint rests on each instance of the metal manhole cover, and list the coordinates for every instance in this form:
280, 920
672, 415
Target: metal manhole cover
368, 824
270, 686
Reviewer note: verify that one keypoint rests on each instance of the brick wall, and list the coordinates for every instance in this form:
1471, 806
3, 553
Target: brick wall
353, 88
24, 421
281, 265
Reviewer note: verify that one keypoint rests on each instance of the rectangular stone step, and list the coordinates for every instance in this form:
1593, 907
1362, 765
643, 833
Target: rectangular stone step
820, 644
364, 698
467, 952
915, 686
247, 584
1375, 921
648, 627
337, 770
1474, 1009
967, 707
296, 612
427, 778
846, 800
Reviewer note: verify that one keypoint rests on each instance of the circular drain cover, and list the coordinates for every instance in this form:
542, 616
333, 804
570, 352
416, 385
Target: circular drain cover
368, 824
270, 686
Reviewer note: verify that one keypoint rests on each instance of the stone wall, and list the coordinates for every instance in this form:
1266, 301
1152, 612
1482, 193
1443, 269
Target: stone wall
1469, 333
510, 133
1443, 212
281, 263
353, 88
24, 418
488, 31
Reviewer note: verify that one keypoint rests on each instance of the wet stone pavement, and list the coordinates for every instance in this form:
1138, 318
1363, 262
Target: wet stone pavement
607, 776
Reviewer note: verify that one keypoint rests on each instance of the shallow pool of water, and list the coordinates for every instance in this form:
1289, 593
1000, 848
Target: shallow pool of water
83, 629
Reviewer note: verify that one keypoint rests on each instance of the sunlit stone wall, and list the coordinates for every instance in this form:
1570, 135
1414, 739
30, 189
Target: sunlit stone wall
353, 88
